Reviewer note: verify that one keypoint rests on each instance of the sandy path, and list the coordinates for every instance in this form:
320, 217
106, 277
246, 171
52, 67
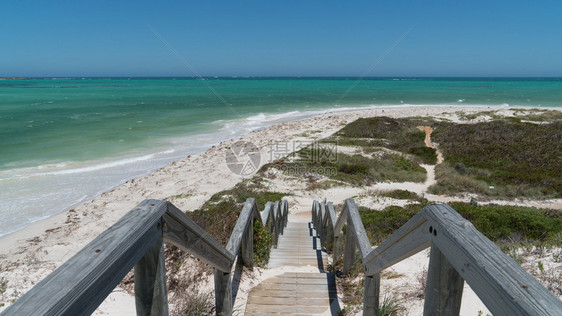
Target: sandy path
428, 130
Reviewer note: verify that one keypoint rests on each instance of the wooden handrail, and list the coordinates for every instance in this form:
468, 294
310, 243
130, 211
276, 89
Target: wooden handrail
459, 252
185, 234
84, 281
81, 284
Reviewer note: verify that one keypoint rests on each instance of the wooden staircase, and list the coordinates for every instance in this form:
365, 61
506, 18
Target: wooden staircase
294, 292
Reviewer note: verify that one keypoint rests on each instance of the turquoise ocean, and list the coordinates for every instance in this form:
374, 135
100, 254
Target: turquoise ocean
65, 140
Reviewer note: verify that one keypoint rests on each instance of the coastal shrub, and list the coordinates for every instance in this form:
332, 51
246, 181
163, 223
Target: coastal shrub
381, 224
524, 158
218, 219
390, 306
400, 194
502, 222
397, 134
427, 154
219, 214
197, 304
495, 222
534, 115
262, 244
354, 169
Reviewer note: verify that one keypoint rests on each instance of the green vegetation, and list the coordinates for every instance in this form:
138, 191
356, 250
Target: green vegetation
3, 285
353, 169
3, 288
262, 244
179, 196
514, 158
534, 115
497, 223
400, 194
397, 134
390, 306
198, 304
219, 214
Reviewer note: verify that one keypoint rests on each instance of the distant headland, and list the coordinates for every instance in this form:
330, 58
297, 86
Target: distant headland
12, 78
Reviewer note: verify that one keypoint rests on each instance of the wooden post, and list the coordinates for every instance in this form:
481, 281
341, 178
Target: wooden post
371, 295
444, 286
350, 244
286, 212
276, 220
338, 245
248, 246
323, 225
223, 293
151, 297
330, 218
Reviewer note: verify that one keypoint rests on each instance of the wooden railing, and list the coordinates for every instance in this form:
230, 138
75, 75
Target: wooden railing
459, 253
81, 284
274, 218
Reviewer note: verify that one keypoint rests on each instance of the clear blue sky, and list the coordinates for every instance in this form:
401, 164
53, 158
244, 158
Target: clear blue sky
280, 38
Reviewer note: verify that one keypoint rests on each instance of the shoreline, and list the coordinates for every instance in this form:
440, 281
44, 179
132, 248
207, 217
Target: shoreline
28, 255
120, 169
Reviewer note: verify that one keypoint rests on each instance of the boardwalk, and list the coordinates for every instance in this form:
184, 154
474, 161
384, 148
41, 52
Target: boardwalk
296, 293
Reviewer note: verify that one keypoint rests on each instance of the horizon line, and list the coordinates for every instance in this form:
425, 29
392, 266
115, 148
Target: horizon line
292, 77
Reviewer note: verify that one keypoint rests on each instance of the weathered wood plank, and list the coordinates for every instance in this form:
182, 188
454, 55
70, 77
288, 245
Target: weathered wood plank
290, 301
408, 240
443, 293
185, 234
329, 226
350, 245
323, 227
267, 216
341, 220
284, 215
248, 246
79, 285
223, 293
151, 295
338, 245
502, 285
301, 310
356, 225
371, 295
242, 224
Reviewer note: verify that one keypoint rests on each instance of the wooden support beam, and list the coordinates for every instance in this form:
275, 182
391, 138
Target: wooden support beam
242, 224
330, 223
322, 225
223, 293
267, 216
185, 234
350, 244
371, 295
355, 224
444, 286
408, 240
276, 222
338, 246
151, 295
248, 246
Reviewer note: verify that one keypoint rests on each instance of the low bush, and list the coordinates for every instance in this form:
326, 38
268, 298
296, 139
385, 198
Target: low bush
495, 222
397, 134
523, 155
